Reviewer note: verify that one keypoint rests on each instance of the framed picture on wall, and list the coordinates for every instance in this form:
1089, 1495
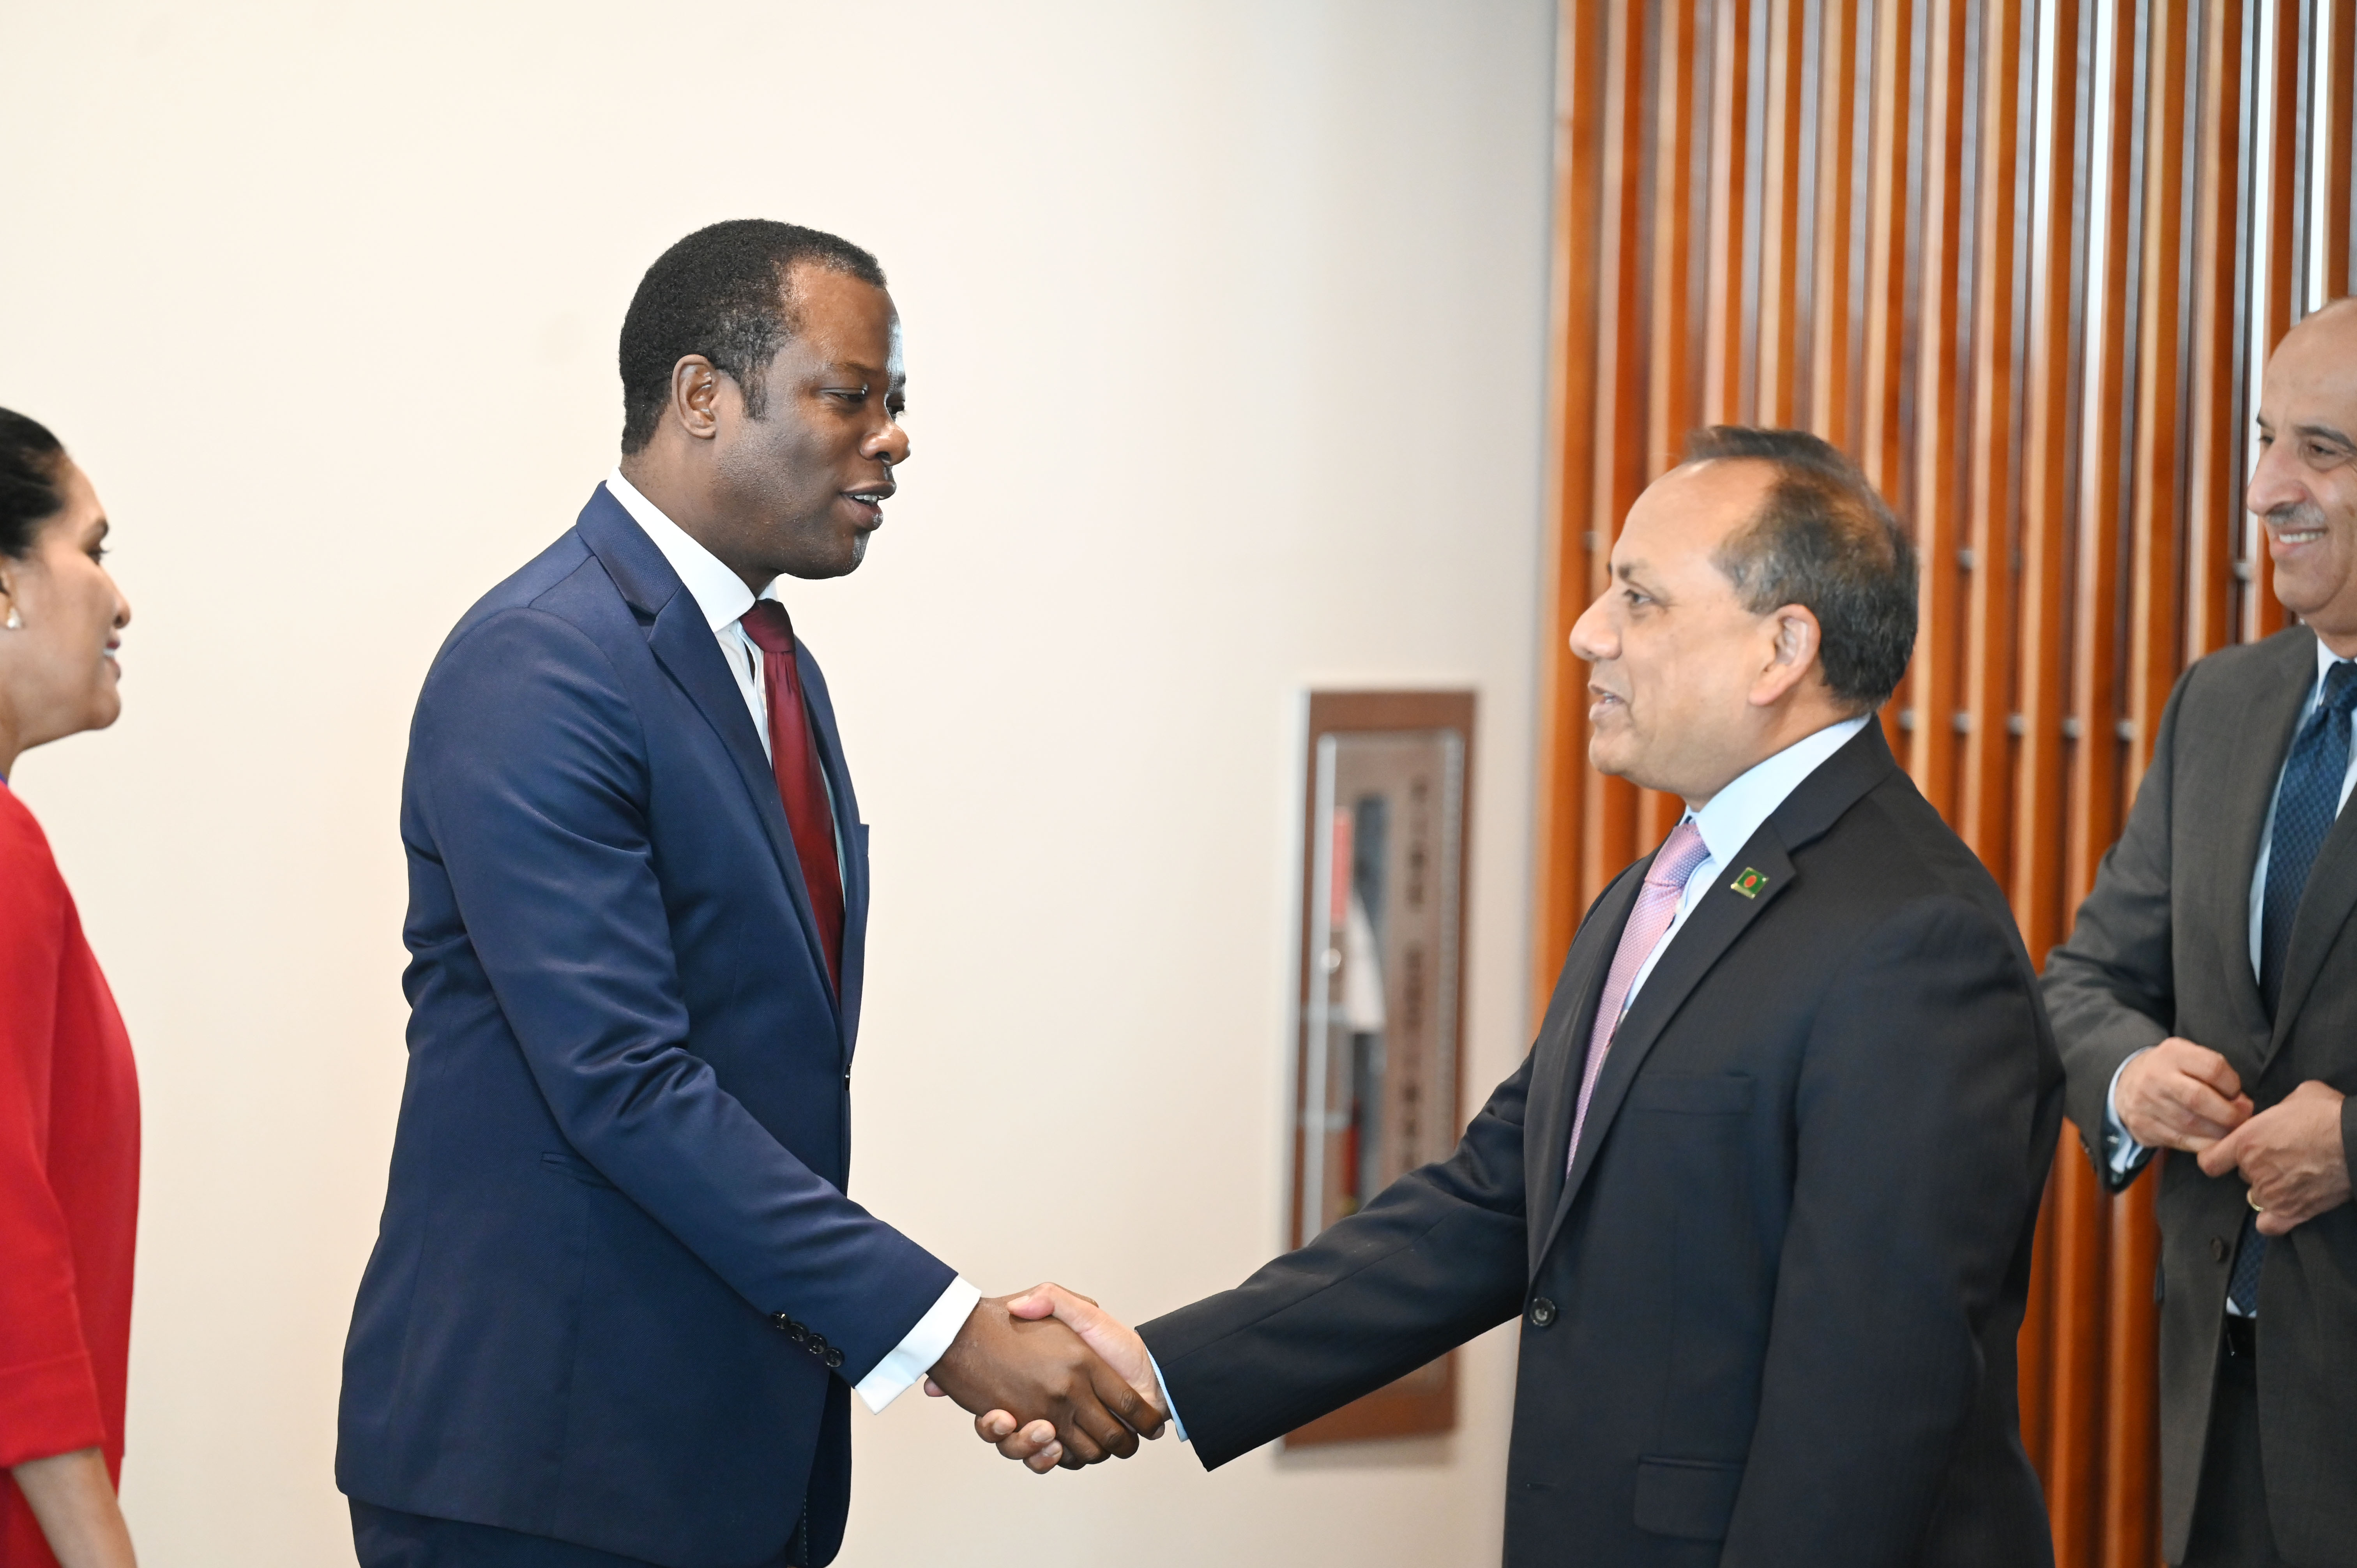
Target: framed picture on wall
1378, 1068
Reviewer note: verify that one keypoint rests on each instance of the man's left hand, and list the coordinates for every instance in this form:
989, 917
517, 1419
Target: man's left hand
2292, 1157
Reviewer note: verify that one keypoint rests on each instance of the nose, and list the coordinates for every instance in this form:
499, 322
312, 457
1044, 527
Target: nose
2275, 482
891, 443
1593, 636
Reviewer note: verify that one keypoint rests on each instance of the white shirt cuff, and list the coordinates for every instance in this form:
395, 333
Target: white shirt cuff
914, 1357
1162, 1387
2127, 1154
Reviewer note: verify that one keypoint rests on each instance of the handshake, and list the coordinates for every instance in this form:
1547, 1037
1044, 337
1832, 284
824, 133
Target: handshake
1051, 1379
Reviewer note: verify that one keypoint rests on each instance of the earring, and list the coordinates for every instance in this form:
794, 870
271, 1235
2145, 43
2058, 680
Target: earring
16, 621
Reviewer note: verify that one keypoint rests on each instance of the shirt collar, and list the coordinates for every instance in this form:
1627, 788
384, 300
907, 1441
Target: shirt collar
2325, 660
719, 593
1729, 818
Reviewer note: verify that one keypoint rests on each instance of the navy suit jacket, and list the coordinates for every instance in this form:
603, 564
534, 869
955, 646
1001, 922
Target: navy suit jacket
619, 1167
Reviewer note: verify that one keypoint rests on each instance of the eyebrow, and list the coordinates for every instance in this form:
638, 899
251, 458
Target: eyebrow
2327, 431
868, 372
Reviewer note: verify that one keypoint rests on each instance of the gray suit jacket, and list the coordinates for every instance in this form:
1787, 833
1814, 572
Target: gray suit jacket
2161, 947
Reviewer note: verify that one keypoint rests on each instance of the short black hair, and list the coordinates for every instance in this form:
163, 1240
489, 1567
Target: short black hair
31, 463
720, 293
1823, 539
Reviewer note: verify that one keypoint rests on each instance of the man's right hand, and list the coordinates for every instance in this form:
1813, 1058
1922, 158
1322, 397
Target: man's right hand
1043, 1373
2180, 1095
1035, 1443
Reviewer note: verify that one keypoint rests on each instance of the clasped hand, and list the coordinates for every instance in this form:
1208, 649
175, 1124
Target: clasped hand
1014, 1365
2180, 1095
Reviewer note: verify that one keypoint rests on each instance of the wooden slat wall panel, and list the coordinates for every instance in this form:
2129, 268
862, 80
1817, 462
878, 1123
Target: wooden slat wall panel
2021, 258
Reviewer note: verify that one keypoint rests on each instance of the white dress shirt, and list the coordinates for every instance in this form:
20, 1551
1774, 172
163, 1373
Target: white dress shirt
724, 598
2126, 1153
1725, 822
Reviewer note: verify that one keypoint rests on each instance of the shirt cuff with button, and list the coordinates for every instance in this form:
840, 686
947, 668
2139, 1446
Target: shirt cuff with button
913, 1356
1176, 1425
2122, 1153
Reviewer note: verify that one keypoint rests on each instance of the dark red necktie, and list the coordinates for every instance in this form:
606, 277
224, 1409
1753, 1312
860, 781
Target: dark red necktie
794, 759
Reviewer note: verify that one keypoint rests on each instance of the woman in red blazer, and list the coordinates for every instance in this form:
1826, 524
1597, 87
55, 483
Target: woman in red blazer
69, 1100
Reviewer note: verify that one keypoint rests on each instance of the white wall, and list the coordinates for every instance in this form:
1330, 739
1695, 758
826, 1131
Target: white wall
1225, 327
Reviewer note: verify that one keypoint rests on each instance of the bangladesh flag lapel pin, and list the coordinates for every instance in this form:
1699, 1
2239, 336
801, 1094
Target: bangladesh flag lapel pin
1748, 884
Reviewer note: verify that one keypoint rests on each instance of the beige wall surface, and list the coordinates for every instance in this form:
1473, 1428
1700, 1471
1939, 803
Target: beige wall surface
1225, 324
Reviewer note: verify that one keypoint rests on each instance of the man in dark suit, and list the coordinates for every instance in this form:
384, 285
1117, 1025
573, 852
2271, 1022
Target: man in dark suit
1762, 1194
620, 1302
2207, 1003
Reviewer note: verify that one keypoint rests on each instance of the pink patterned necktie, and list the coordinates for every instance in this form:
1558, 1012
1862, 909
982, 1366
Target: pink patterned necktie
1657, 905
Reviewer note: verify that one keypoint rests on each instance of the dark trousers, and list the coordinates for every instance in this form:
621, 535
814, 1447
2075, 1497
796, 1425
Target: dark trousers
2230, 1511
385, 1537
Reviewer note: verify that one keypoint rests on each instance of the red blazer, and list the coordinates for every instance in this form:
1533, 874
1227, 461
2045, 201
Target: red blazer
69, 1183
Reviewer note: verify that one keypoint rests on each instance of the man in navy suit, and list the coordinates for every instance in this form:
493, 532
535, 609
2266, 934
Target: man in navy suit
620, 1302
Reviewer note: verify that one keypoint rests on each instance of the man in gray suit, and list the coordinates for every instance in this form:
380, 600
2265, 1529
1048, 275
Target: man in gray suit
2207, 1003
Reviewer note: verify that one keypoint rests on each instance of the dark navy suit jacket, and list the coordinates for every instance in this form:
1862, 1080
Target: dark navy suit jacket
623, 1143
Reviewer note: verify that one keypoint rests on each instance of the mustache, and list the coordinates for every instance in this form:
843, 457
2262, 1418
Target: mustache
2295, 514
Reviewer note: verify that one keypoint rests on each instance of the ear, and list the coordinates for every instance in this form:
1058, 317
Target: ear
1795, 640
695, 383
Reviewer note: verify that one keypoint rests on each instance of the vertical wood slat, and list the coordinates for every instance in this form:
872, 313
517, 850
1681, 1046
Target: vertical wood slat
2158, 502
1729, 126
1932, 681
1671, 404
2130, 1430
1831, 338
2274, 304
2056, 276
1780, 219
1881, 453
1608, 839
2339, 152
1984, 800
2075, 1473
2214, 443
1881, 448
1563, 777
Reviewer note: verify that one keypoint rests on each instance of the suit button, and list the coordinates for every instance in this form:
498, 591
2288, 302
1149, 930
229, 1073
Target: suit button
834, 1357
781, 1323
2217, 1249
1541, 1312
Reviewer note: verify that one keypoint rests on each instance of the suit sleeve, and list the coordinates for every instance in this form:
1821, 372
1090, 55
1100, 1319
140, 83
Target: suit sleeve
48, 1390
2110, 986
1921, 1151
529, 769
1436, 1258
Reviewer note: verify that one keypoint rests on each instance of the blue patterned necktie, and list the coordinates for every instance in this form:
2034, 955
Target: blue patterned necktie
2306, 803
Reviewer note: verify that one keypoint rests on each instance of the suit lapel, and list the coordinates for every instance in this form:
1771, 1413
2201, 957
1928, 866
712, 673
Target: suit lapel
2324, 908
1719, 917
683, 643
1560, 1050
2239, 803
